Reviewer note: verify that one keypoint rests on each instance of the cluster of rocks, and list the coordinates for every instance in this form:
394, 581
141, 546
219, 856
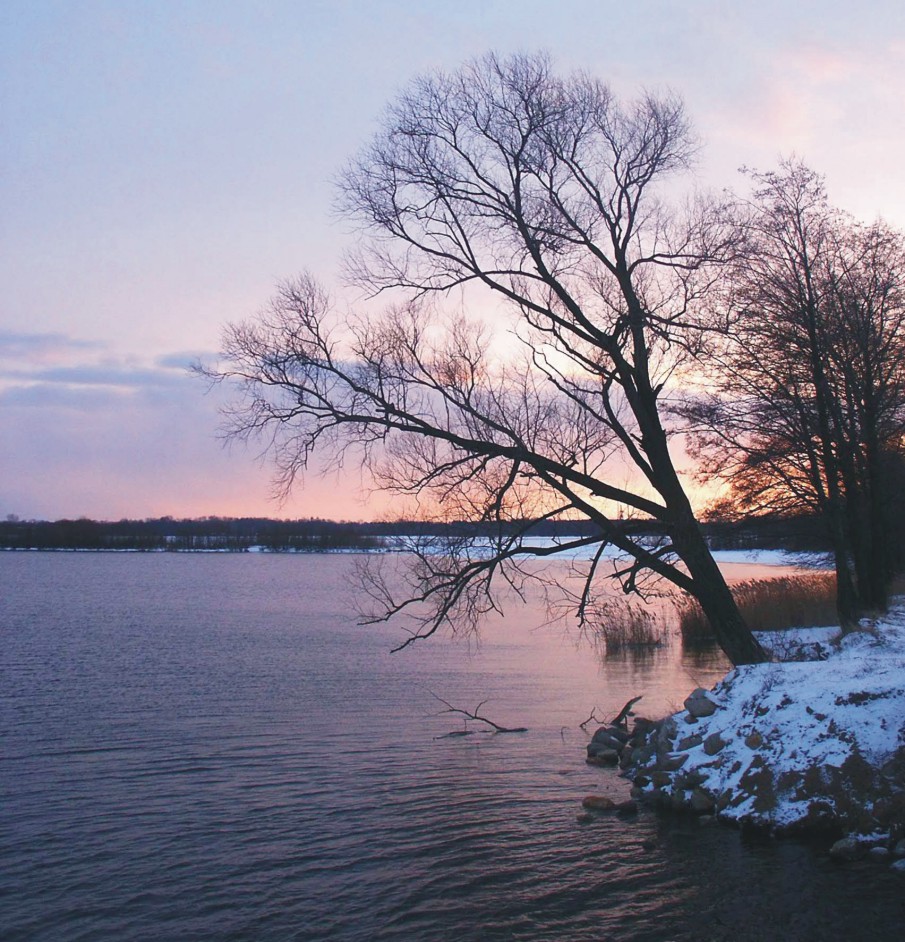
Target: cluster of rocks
650, 746
877, 847
657, 756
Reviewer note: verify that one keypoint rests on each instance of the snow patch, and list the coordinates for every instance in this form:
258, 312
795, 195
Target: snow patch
819, 733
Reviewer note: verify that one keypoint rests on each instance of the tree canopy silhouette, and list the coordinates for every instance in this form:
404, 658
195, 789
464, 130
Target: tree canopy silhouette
504, 187
807, 366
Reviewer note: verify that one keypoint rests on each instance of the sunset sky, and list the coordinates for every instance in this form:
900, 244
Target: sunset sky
163, 164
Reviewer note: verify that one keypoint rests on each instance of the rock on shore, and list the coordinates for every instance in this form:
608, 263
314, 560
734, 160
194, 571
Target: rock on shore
793, 746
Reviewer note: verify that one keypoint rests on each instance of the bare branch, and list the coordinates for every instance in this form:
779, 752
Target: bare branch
476, 716
504, 180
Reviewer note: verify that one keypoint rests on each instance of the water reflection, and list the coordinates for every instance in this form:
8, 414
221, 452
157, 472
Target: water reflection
745, 887
209, 747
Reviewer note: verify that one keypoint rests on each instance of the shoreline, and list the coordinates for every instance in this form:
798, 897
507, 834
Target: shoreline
810, 743
156, 550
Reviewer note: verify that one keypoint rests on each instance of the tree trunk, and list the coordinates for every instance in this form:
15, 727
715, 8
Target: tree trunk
715, 597
867, 542
710, 588
881, 569
847, 601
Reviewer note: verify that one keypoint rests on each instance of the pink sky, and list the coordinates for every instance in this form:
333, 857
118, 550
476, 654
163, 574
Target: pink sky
165, 164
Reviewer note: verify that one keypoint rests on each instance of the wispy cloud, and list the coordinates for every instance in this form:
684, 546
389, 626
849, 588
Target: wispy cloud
813, 90
125, 377
111, 451
42, 348
52, 396
40, 369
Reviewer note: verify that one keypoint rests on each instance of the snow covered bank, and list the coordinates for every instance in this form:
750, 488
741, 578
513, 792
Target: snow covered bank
772, 557
813, 741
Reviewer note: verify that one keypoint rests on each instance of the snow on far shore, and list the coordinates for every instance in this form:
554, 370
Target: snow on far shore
773, 557
758, 557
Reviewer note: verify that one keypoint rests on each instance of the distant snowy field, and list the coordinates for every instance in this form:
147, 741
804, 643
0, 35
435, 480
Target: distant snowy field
760, 557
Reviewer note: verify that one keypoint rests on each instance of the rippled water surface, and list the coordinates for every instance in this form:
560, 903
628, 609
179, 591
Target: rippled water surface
208, 747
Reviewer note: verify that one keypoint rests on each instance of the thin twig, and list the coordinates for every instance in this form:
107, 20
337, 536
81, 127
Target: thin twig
475, 715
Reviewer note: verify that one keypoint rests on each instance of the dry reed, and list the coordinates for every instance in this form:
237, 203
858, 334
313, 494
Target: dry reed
629, 627
804, 601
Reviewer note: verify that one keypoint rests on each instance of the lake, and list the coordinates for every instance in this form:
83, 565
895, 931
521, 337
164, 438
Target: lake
208, 747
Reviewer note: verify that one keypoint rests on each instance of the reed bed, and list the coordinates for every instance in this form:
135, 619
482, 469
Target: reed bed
804, 601
630, 628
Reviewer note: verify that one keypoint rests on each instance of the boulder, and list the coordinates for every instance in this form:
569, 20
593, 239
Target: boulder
664, 737
642, 754
691, 779
598, 803
671, 762
714, 743
604, 739
662, 798
608, 738
603, 757
699, 704
689, 742
679, 801
700, 802
898, 866
847, 849
595, 748
641, 728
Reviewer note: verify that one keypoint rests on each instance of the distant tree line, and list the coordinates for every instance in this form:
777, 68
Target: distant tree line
802, 533
205, 533
794, 533
239, 534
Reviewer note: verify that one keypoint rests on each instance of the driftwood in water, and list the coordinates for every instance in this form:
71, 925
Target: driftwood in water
623, 715
593, 718
475, 715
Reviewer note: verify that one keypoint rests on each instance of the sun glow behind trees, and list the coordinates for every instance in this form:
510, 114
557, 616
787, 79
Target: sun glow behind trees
547, 191
125, 247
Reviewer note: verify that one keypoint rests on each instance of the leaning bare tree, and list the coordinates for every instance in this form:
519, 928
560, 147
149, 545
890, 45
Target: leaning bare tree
520, 194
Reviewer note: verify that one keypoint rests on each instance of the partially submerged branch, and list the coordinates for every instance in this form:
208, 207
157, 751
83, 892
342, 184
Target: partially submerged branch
593, 718
476, 716
621, 718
